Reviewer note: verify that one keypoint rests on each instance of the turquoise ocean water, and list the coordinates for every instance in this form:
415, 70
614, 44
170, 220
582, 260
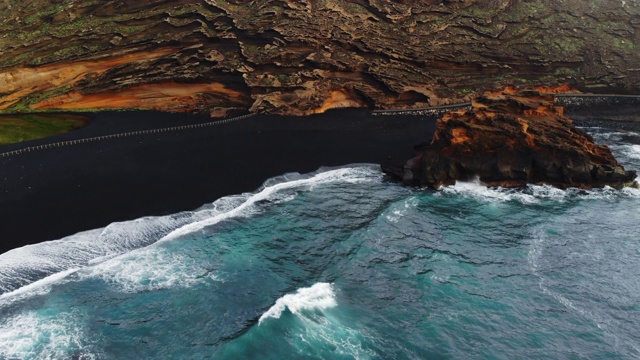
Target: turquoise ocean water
343, 264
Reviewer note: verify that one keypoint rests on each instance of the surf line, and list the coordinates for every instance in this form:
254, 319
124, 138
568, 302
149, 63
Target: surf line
121, 135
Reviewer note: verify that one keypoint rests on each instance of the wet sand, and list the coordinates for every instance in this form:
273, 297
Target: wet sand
49, 194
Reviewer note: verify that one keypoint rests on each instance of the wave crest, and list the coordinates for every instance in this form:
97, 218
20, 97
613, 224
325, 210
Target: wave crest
26, 265
275, 191
531, 194
44, 336
150, 269
319, 296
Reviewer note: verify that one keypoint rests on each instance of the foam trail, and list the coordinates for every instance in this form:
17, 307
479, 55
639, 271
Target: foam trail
343, 174
319, 296
398, 211
23, 266
531, 194
149, 269
33, 335
537, 249
632, 151
477, 190
41, 286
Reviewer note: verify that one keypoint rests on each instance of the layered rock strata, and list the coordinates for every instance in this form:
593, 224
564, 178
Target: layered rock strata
512, 138
302, 57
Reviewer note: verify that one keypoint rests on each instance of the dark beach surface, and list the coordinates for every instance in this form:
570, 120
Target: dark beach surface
49, 194
52, 193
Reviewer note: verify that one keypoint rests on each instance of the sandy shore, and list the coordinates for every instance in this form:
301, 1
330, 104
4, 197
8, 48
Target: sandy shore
49, 194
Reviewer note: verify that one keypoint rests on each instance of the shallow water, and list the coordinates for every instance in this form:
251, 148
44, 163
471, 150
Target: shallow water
343, 264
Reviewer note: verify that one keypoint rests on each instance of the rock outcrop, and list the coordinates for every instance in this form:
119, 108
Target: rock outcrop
301, 57
512, 138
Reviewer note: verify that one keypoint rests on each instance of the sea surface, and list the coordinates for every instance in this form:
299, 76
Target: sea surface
344, 264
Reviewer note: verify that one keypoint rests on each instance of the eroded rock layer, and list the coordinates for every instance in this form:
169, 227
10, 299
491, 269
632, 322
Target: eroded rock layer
301, 57
513, 138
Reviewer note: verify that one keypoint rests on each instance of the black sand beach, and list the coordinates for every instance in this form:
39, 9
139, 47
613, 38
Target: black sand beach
49, 194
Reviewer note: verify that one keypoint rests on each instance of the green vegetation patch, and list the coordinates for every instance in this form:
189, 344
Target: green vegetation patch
24, 104
18, 128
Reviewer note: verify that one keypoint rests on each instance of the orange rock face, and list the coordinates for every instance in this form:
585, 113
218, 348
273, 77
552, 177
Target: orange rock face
510, 139
24, 81
171, 96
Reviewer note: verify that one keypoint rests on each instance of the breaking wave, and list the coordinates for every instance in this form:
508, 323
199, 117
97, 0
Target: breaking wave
531, 194
98, 248
276, 191
34, 335
319, 296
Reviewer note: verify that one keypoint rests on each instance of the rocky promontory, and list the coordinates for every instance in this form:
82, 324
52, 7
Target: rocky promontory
512, 138
305, 56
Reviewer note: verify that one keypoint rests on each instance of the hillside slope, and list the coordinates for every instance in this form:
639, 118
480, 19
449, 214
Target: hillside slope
301, 57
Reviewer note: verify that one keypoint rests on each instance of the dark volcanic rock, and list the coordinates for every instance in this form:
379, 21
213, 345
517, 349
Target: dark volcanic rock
513, 138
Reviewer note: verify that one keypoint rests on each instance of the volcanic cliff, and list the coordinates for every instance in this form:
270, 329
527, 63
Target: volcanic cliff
301, 57
512, 138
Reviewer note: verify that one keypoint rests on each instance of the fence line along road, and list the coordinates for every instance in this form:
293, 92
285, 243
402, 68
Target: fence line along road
121, 135
437, 110
432, 110
422, 111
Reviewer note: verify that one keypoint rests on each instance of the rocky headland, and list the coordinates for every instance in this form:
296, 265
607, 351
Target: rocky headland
512, 138
304, 57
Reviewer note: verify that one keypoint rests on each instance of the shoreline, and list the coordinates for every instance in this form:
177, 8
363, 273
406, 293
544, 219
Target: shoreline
52, 193
56, 192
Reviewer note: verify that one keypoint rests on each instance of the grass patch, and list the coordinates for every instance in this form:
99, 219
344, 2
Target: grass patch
18, 128
24, 104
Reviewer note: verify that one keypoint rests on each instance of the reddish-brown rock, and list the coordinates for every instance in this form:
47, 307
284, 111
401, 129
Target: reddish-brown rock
299, 57
513, 138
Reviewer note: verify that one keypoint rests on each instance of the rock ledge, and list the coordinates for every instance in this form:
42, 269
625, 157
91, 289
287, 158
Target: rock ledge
512, 138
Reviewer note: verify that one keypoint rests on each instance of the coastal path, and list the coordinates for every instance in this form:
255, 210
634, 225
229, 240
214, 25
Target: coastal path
121, 135
562, 99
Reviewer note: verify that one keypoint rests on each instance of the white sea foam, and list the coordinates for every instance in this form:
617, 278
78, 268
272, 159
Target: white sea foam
269, 191
398, 211
318, 333
345, 341
602, 135
149, 269
631, 151
40, 287
477, 190
23, 266
540, 241
31, 335
531, 194
536, 252
319, 296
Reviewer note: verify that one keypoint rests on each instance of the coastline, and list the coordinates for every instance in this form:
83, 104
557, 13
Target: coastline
53, 193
